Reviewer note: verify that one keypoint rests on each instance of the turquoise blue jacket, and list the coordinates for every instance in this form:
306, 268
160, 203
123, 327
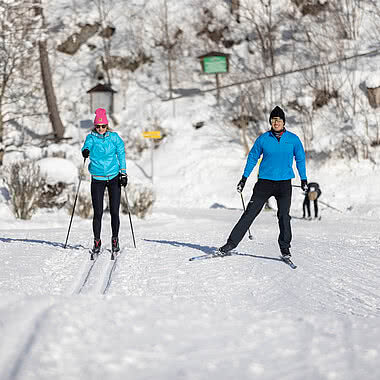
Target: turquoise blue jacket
278, 155
107, 155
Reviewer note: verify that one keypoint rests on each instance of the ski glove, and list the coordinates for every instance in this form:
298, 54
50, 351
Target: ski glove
241, 184
123, 179
85, 153
304, 184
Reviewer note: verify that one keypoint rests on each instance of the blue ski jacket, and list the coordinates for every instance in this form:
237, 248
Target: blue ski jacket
277, 157
107, 155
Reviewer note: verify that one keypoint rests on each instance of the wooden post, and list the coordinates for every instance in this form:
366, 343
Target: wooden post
217, 89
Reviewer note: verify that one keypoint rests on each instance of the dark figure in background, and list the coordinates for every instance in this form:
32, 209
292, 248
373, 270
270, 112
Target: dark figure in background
312, 193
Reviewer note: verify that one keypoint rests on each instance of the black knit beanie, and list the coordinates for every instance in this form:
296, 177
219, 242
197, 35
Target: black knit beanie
277, 112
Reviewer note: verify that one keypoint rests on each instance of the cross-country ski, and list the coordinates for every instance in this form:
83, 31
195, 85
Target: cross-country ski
211, 256
289, 262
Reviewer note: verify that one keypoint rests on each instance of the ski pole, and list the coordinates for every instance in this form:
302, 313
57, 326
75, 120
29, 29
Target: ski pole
249, 231
324, 203
75, 202
130, 219
329, 206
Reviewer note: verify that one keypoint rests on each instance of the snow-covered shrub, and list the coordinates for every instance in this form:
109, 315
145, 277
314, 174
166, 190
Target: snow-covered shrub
57, 188
53, 195
141, 199
83, 207
26, 185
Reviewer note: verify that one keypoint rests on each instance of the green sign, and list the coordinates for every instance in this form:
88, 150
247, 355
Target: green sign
215, 65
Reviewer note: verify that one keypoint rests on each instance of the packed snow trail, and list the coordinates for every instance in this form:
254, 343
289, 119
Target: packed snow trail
110, 271
244, 316
89, 266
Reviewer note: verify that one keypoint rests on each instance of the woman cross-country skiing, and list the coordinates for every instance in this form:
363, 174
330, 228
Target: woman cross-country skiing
108, 169
278, 147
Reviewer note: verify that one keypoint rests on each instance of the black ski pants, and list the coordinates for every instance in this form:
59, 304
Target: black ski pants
263, 190
97, 195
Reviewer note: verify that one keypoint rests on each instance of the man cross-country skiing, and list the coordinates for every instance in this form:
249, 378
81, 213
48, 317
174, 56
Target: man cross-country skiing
278, 147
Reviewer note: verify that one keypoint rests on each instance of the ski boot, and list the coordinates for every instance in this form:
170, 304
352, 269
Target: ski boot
96, 248
225, 249
286, 258
115, 247
285, 253
115, 244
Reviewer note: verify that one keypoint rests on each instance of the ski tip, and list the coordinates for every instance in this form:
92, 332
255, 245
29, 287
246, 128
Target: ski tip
289, 262
93, 255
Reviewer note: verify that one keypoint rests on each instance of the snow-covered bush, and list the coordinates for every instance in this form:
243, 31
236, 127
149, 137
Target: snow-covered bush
57, 189
83, 207
141, 199
26, 186
53, 195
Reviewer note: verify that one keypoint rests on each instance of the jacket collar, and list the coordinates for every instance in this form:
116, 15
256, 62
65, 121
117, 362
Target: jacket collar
278, 135
99, 136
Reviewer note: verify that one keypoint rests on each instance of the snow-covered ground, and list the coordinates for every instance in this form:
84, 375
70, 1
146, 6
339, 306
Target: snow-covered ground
157, 315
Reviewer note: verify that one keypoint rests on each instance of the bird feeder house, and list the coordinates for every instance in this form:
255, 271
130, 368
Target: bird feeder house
101, 96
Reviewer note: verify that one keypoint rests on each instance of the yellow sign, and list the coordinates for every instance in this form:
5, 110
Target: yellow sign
152, 135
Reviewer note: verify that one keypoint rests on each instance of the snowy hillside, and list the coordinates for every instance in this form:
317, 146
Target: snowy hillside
200, 167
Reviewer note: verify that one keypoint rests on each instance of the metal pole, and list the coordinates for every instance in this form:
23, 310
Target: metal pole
151, 159
75, 202
217, 90
130, 219
324, 203
329, 206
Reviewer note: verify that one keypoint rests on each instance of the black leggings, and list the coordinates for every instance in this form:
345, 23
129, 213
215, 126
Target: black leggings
97, 196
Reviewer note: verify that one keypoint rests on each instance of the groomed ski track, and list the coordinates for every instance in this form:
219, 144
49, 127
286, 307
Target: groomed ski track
97, 274
243, 316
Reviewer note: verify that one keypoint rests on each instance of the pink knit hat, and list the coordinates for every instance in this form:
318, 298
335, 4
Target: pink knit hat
100, 116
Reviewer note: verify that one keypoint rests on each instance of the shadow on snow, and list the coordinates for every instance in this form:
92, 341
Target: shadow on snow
208, 250
52, 243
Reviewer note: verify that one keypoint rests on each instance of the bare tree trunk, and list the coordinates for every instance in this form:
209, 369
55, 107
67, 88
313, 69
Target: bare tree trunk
51, 100
244, 123
1, 138
234, 8
169, 50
